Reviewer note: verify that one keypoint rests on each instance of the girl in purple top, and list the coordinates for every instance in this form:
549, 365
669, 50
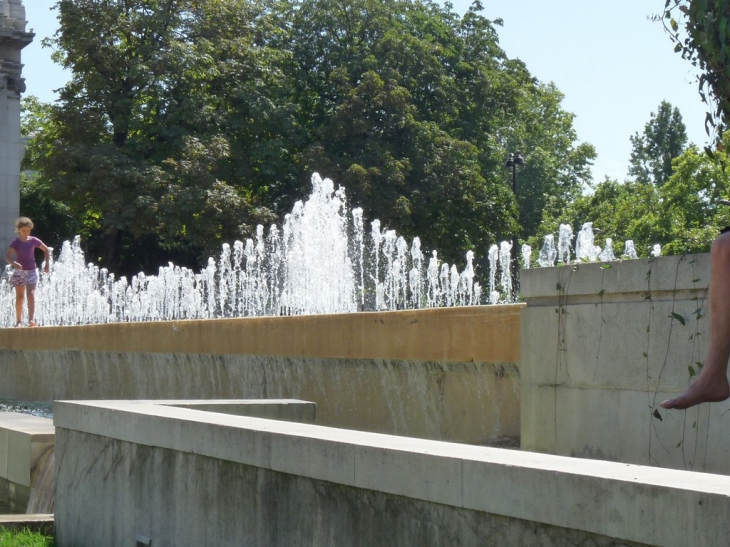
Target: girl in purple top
21, 256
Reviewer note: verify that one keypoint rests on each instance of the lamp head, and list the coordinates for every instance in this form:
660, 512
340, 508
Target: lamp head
514, 160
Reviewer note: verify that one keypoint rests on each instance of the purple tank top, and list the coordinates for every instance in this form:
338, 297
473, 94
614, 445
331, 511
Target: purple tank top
24, 251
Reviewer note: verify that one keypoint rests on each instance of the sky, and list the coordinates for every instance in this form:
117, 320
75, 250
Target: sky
612, 63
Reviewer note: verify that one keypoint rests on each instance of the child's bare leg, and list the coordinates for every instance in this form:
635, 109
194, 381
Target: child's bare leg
31, 304
712, 385
19, 297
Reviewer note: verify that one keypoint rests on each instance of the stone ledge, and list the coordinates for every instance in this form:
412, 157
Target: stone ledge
488, 334
622, 277
628, 502
42, 523
23, 438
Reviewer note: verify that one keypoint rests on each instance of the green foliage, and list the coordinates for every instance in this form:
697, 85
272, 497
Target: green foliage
136, 150
691, 215
664, 138
186, 122
701, 33
620, 211
386, 77
683, 215
52, 218
414, 111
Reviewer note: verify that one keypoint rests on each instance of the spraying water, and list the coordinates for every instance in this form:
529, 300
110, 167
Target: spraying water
548, 253
607, 254
565, 237
319, 261
585, 250
526, 255
629, 249
505, 250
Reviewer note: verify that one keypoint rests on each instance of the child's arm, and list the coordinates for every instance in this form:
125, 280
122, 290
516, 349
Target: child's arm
47, 264
9, 259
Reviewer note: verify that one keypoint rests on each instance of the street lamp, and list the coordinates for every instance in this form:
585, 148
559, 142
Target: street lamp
512, 162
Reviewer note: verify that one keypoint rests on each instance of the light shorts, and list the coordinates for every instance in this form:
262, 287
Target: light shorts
23, 277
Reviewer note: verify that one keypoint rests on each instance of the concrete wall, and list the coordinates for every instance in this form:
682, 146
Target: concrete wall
443, 374
27, 481
169, 476
23, 440
603, 345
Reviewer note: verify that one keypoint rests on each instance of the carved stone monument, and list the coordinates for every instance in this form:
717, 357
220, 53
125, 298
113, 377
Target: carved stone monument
13, 38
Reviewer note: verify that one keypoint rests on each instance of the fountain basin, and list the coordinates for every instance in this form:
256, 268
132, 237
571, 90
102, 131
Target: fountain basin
447, 373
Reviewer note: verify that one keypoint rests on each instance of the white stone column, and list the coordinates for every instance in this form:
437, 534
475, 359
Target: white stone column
13, 39
9, 172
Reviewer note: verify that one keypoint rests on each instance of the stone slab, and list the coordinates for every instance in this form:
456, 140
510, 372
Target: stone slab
24, 438
631, 503
42, 523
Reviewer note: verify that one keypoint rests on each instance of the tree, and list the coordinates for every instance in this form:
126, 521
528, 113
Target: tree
704, 40
557, 166
414, 110
53, 219
664, 138
693, 217
683, 215
137, 150
186, 122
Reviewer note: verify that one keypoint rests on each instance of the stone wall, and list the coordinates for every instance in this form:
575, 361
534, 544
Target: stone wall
602, 346
448, 374
165, 476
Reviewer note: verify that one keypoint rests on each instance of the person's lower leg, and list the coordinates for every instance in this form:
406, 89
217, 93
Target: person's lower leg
712, 384
31, 305
19, 297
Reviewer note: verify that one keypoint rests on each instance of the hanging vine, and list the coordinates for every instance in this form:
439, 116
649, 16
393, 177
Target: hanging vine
700, 30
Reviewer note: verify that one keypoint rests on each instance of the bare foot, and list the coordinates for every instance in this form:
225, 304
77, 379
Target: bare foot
704, 390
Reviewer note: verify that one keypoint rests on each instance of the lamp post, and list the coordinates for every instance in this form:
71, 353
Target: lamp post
512, 162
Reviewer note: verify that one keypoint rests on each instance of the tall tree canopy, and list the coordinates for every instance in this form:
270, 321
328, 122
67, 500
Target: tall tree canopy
664, 138
186, 122
137, 146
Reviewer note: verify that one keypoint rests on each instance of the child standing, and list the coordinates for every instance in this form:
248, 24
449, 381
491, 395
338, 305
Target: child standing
24, 273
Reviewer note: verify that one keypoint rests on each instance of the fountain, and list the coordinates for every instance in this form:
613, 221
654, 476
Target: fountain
548, 253
345, 369
606, 255
318, 262
526, 256
565, 236
629, 250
